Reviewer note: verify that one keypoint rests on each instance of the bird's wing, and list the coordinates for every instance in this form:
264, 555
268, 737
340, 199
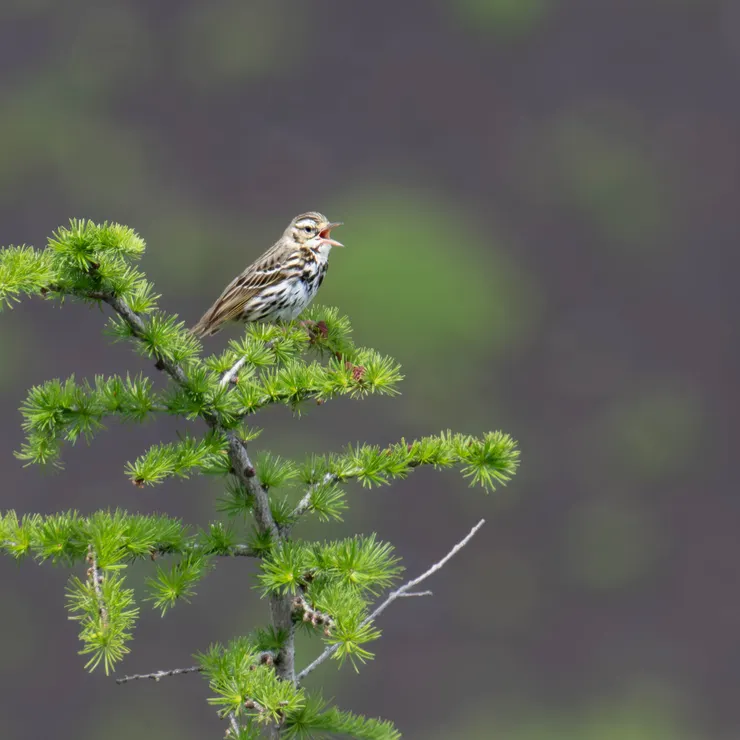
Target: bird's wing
238, 293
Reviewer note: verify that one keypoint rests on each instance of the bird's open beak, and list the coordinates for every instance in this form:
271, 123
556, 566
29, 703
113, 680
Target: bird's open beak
326, 232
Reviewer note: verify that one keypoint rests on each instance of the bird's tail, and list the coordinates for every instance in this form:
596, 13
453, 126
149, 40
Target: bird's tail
206, 326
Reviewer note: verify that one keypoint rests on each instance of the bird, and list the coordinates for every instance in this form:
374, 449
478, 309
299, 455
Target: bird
277, 286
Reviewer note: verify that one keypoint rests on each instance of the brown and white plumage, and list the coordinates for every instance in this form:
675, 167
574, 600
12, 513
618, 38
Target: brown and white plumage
278, 285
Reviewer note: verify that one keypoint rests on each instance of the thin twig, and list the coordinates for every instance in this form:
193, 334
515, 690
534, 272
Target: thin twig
416, 593
249, 704
230, 375
97, 579
397, 594
305, 503
234, 724
157, 675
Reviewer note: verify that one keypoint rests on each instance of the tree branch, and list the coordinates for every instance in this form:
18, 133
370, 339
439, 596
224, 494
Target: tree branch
242, 465
265, 656
235, 729
245, 473
404, 590
305, 503
230, 375
157, 675
94, 574
138, 328
280, 605
416, 593
234, 551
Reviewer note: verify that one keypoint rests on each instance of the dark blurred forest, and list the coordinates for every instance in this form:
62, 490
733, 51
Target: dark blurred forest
540, 201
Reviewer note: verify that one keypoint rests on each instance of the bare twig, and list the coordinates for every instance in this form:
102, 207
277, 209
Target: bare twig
157, 675
94, 574
230, 375
234, 724
266, 657
404, 590
305, 503
416, 593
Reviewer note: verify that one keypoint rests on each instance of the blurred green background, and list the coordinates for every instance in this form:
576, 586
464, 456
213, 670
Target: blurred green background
540, 199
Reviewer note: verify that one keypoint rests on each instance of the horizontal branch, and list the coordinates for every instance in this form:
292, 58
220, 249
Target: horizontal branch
232, 551
64, 537
416, 593
265, 657
489, 460
400, 592
157, 675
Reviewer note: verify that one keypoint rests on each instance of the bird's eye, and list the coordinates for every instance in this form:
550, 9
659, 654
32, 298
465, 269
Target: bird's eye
308, 229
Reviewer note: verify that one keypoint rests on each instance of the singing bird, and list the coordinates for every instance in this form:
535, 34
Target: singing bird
278, 285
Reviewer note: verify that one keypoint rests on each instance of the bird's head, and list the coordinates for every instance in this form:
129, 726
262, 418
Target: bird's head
313, 231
